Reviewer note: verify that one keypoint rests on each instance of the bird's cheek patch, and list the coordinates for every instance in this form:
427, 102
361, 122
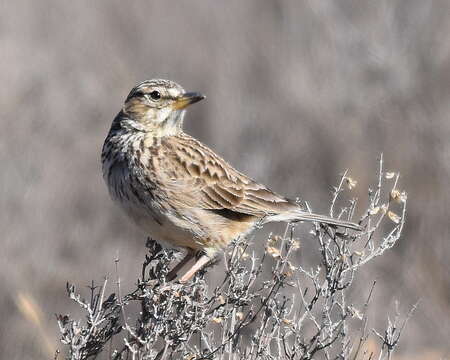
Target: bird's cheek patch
164, 114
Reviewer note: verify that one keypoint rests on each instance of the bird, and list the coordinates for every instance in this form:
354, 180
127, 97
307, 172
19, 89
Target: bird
178, 190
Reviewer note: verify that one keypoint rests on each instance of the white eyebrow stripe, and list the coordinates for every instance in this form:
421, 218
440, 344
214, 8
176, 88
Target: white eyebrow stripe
173, 92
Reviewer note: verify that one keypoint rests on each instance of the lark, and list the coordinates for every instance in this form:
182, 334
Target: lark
178, 190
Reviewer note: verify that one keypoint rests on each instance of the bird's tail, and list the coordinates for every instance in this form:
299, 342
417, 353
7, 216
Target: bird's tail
301, 215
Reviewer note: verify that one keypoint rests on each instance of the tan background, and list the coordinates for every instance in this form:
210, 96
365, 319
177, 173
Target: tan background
297, 92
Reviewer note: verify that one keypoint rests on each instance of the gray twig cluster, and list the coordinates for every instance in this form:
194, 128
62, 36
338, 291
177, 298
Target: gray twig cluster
266, 306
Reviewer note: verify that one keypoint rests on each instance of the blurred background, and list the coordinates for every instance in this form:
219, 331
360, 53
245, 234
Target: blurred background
297, 92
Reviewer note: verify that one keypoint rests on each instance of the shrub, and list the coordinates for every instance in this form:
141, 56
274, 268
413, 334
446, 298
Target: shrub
266, 306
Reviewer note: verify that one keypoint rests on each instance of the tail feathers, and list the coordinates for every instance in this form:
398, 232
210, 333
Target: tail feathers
300, 215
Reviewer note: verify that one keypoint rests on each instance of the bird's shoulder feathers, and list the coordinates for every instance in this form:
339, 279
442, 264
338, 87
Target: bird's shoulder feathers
203, 179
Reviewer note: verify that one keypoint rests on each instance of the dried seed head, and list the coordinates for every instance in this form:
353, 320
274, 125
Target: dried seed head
399, 197
389, 175
375, 210
273, 251
394, 217
351, 183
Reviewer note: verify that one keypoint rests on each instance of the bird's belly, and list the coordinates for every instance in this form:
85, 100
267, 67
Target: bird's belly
167, 229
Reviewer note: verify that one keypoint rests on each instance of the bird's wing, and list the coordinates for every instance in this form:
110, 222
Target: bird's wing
202, 179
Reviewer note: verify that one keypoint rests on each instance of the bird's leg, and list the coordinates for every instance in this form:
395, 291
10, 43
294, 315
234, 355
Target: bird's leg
173, 273
201, 262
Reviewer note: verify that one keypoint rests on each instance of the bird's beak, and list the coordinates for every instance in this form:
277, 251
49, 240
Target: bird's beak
187, 99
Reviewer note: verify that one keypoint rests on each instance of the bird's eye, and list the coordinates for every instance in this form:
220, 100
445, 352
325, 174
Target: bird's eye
155, 95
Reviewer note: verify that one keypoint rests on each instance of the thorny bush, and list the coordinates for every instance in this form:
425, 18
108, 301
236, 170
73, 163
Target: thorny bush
266, 306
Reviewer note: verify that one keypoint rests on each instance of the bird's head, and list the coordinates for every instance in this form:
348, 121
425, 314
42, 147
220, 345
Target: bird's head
158, 106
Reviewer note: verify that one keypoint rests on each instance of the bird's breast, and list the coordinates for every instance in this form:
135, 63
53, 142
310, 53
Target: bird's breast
147, 206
